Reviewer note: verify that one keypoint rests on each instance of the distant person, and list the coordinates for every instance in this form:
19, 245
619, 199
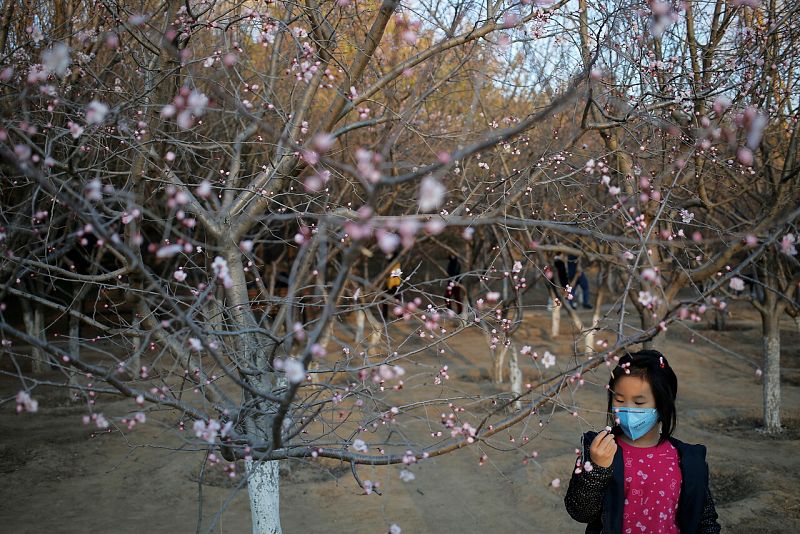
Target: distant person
452, 293
561, 271
576, 276
393, 282
634, 476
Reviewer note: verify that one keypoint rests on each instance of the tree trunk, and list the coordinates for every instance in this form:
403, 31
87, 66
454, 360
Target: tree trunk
515, 376
598, 303
32, 317
73, 393
771, 338
499, 359
555, 319
263, 485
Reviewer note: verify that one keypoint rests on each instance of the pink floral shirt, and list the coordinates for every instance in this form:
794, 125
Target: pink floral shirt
652, 488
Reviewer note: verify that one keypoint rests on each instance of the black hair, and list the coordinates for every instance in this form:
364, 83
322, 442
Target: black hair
652, 366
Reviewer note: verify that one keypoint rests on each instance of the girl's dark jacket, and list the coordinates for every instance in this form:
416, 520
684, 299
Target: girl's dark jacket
597, 497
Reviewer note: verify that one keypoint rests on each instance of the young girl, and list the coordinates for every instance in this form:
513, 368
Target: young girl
635, 477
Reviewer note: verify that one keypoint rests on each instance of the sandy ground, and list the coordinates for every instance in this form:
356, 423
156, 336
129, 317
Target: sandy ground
57, 477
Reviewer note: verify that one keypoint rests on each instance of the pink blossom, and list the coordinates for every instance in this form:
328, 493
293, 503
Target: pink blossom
387, 241
25, 403
548, 359
100, 421
96, 112
368, 486
206, 431
221, 271
745, 156
408, 229
168, 251
650, 275
556, 482
179, 275
646, 298
75, 130
510, 19
195, 344
323, 142
788, 245
737, 284
435, 226
721, 105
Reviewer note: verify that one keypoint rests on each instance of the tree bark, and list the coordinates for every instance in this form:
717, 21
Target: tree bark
73, 393
32, 317
555, 319
772, 372
263, 485
515, 376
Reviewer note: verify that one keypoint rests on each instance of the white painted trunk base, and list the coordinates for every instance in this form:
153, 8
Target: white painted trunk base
263, 484
555, 324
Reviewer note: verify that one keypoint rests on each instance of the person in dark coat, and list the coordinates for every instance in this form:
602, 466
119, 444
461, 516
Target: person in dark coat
634, 477
452, 293
577, 276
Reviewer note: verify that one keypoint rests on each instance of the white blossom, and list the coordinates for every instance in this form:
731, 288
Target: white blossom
295, 372
206, 431
25, 403
406, 475
737, 284
431, 194
221, 271
56, 59
96, 112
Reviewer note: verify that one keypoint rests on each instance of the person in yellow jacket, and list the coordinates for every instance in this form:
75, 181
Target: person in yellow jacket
393, 282
395, 277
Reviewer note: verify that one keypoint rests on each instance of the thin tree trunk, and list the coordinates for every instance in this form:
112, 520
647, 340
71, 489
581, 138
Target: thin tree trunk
515, 376
598, 303
555, 319
32, 317
772, 372
73, 393
499, 360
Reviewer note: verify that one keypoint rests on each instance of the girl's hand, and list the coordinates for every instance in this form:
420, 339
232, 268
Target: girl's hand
603, 448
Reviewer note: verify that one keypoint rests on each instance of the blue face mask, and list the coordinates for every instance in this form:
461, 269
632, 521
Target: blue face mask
636, 422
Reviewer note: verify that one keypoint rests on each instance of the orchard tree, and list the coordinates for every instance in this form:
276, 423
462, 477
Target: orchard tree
206, 205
